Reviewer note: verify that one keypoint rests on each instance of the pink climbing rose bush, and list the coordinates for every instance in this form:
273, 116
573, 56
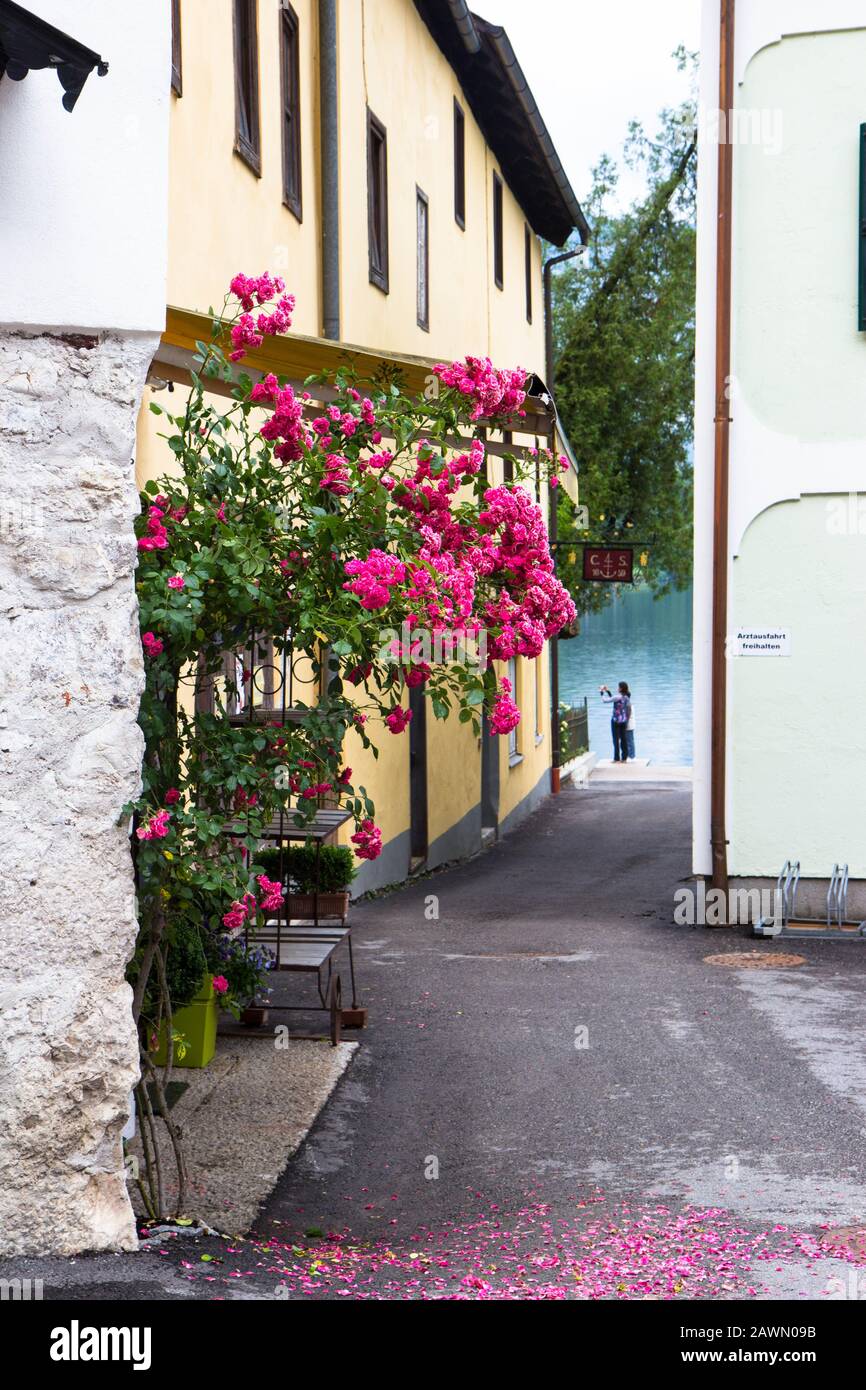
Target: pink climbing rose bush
337, 524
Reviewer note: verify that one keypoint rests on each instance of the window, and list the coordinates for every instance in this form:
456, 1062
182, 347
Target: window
377, 201
247, 133
176, 74
290, 84
539, 707
422, 224
527, 257
513, 746
459, 165
497, 232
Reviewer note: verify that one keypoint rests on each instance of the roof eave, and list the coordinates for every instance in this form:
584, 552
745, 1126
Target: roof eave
523, 93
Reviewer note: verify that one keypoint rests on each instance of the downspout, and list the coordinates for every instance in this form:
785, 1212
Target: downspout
552, 519
330, 168
724, 242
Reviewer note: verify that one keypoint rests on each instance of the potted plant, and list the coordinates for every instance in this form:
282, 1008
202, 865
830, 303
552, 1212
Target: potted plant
244, 967
302, 876
193, 997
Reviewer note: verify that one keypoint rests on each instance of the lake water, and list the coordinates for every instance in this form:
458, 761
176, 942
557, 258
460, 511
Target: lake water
649, 645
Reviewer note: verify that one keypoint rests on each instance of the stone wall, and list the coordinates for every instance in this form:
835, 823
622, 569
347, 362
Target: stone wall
71, 674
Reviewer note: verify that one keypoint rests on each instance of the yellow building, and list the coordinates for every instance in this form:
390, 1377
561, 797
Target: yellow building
387, 159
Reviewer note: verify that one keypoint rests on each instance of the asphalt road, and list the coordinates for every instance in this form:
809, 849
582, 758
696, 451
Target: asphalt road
558, 1096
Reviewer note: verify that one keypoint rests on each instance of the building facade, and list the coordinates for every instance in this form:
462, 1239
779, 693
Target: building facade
427, 244
787, 773
145, 158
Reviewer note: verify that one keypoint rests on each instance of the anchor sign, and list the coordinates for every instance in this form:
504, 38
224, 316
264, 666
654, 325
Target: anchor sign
604, 565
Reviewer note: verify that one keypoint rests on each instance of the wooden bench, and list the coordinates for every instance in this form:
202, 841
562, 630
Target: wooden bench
308, 955
307, 950
308, 947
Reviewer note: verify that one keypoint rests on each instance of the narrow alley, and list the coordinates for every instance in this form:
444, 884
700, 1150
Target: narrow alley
559, 1094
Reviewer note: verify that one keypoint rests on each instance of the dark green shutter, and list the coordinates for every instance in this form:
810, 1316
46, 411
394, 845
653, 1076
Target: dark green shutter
861, 237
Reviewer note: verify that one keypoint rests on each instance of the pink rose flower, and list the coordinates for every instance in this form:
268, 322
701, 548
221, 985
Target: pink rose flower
398, 719
368, 841
236, 916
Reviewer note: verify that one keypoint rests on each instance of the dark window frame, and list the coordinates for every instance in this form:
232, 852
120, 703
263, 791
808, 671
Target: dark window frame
527, 256
459, 166
377, 201
248, 142
498, 233
290, 93
422, 312
176, 53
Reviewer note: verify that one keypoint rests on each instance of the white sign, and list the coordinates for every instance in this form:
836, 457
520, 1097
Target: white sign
762, 641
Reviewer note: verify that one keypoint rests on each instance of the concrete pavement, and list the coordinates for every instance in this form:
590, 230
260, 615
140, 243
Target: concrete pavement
558, 1096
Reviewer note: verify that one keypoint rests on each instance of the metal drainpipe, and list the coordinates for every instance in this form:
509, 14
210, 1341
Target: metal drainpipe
552, 521
330, 168
722, 423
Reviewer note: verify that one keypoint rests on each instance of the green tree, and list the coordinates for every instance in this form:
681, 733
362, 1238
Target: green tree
624, 344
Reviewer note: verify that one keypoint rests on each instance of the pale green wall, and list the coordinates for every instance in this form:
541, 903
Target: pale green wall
796, 762
799, 361
798, 747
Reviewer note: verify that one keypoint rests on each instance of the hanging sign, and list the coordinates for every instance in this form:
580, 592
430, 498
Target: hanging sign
604, 564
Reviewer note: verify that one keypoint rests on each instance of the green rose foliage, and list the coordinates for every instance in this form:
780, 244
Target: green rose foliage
240, 547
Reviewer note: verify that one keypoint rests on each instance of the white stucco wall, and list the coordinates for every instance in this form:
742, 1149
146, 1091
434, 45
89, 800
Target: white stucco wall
82, 300
83, 226
798, 362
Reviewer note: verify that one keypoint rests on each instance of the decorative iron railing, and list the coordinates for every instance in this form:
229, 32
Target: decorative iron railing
573, 732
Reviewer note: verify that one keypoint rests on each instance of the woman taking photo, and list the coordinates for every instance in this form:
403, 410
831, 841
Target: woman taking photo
620, 715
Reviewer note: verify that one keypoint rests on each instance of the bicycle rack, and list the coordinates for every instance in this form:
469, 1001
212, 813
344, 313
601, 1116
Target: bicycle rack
787, 923
837, 895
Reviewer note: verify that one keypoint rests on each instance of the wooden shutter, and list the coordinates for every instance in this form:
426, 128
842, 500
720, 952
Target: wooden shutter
247, 127
290, 80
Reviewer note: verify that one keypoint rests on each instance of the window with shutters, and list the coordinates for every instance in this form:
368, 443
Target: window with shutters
422, 226
498, 266
513, 744
176, 63
459, 165
290, 82
247, 129
377, 201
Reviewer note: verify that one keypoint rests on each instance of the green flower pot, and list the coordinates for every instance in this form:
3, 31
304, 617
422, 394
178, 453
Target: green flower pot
198, 1024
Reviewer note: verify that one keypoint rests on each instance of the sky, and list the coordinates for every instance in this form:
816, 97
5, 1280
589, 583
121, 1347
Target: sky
593, 65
